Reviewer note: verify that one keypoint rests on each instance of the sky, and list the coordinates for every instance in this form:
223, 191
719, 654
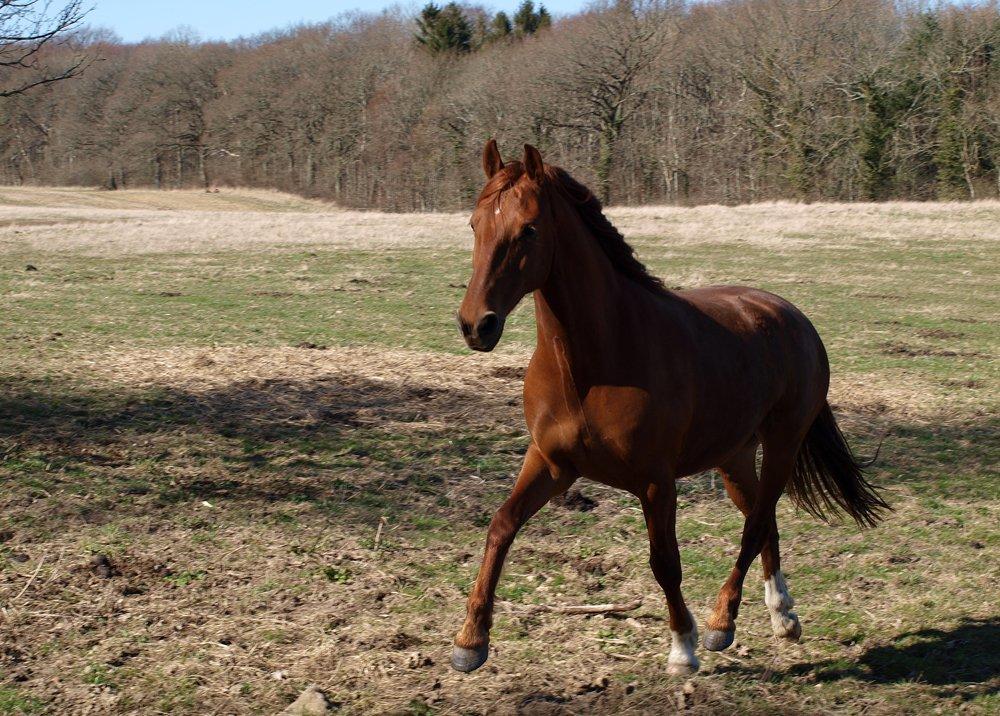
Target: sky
135, 20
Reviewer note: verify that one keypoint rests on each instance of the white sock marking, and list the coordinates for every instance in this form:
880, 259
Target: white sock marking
784, 623
776, 595
682, 648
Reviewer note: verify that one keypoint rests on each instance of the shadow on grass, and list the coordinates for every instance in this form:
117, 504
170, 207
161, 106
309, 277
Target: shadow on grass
343, 441
962, 661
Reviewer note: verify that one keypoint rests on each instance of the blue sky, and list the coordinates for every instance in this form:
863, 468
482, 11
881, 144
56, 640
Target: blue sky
135, 20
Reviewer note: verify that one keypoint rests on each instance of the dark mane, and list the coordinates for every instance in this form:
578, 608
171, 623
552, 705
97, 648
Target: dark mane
588, 206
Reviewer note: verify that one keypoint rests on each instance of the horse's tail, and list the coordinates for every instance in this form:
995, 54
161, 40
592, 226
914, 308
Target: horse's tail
828, 478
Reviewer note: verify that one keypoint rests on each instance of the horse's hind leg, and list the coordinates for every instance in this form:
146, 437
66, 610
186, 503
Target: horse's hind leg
534, 487
778, 464
659, 506
740, 478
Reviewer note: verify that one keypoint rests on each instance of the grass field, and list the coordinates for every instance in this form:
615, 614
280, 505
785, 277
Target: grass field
210, 403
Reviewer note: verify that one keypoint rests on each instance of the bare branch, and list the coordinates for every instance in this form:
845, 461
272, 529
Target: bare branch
27, 29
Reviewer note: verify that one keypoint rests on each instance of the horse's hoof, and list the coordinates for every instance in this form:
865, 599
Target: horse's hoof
786, 626
716, 640
466, 660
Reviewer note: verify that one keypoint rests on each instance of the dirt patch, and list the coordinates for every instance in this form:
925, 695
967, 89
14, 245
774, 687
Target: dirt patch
201, 526
894, 348
886, 296
308, 345
574, 499
938, 333
508, 372
972, 384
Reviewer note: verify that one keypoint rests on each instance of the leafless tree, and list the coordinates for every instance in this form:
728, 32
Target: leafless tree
28, 28
603, 78
734, 101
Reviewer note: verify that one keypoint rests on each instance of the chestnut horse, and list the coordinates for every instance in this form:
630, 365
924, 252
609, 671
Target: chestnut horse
634, 385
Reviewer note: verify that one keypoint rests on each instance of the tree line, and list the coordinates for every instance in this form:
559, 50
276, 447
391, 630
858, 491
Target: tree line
645, 100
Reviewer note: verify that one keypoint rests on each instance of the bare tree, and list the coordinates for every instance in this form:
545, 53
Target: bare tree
645, 100
604, 79
27, 29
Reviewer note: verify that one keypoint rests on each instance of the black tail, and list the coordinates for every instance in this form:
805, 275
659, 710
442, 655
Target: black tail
829, 479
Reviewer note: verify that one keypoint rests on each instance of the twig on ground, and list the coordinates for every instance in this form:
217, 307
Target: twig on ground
624, 657
581, 608
55, 566
378, 532
728, 657
231, 552
30, 580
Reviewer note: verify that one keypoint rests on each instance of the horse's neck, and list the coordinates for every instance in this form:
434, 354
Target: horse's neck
577, 310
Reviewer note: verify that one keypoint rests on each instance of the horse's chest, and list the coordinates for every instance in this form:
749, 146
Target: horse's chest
607, 432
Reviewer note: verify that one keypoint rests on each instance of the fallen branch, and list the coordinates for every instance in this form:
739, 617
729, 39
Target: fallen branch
579, 608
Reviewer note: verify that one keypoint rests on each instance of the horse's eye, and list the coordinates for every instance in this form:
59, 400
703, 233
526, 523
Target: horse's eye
528, 232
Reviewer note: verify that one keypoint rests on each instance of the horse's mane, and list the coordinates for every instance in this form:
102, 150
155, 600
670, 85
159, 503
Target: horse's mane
588, 207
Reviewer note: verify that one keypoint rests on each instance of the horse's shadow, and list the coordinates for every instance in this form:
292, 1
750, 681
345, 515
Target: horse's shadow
963, 661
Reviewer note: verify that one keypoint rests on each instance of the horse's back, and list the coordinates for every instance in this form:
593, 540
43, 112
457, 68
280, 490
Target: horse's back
737, 306
752, 313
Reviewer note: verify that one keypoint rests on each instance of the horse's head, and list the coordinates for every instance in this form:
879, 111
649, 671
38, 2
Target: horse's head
513, 247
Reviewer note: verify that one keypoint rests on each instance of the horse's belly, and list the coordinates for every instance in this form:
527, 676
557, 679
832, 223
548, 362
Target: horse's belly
717, 430
619, 434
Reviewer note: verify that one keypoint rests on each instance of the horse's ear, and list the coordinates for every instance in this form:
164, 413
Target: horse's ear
492, 163
533, 164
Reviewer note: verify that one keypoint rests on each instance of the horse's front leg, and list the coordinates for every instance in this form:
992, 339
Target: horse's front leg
535, 486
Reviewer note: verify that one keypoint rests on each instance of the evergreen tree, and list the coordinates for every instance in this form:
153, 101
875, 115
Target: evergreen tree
886, 103
500, 28
949, 159
444, 29
544, 19
527, 21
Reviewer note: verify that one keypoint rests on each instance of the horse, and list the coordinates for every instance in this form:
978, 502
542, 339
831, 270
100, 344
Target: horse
635, 386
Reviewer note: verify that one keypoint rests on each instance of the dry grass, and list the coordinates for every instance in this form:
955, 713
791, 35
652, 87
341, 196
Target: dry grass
231, 597
47, 197
203, 370
786, 225
114, 232
236, 483
142, 221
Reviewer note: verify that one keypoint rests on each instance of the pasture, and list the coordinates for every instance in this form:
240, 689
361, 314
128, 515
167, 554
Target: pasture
244, 450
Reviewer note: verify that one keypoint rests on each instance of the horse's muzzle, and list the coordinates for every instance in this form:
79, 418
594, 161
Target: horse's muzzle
484, 334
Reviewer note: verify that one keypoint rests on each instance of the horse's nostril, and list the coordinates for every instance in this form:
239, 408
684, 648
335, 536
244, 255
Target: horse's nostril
464, 327
487, 325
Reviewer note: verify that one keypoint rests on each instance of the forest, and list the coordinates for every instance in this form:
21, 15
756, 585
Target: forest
647, 101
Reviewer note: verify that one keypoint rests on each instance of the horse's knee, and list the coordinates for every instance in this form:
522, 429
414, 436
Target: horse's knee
501, 530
